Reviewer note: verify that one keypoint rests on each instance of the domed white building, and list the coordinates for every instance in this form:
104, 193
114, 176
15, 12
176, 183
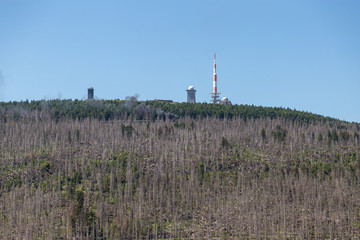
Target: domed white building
225, 101
191, 94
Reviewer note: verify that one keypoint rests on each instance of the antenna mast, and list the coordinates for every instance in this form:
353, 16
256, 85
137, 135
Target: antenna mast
215, 95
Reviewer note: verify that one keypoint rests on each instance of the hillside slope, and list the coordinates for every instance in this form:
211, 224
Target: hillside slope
174, 175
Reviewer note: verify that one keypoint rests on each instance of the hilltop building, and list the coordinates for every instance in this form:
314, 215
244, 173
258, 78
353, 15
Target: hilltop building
90, 93
225, 101
163, 100
191, 94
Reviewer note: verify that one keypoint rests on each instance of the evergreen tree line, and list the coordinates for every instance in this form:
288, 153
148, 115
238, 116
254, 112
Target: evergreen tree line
131, 108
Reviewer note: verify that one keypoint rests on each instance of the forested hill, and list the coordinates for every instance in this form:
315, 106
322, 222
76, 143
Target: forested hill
156, 170
131, 108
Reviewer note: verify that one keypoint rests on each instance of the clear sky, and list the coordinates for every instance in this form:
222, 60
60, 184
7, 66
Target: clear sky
301, 54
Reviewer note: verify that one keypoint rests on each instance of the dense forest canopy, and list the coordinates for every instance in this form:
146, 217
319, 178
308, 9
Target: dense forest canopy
153, 170
131, 108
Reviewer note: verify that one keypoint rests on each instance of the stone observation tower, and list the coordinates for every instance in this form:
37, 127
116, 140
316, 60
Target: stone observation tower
91, 93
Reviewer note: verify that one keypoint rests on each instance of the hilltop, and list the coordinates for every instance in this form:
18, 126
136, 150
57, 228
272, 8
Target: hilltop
131, 108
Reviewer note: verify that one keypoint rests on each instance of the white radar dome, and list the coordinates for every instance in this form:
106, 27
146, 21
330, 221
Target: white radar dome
191, 88
224, 99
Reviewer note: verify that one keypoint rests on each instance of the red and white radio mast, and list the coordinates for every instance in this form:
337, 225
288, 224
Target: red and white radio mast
215, 95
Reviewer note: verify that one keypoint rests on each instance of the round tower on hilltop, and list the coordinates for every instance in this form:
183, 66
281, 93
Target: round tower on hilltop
191, 94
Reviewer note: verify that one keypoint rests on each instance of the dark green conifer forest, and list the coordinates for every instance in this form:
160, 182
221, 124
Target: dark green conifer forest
152, 170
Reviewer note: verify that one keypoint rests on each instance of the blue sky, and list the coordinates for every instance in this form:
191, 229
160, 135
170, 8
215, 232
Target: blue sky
304, 55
